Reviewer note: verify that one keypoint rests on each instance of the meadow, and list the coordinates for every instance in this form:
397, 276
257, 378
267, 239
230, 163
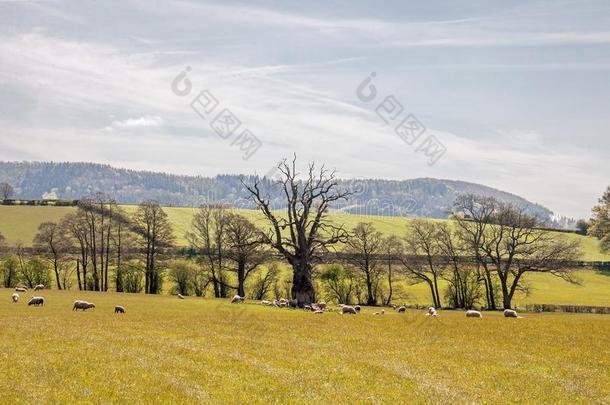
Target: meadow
209, 351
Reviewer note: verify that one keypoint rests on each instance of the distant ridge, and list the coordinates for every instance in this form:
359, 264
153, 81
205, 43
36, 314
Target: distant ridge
423, 197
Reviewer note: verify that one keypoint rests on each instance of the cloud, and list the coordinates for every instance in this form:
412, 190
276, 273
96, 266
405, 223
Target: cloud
142, 122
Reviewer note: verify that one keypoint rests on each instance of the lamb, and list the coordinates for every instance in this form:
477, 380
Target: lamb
15, 297
473, 314
36, 301
39, 287
357, 308
181, 296
21, 289
84, 305
510, 313
237, 299
402, 309
346, 309
380, 312
119, 309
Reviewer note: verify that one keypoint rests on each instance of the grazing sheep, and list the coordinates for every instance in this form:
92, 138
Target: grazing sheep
473, 314
84, 305
36, 301
509, 313
119, 309
402, 309
322, 305
39, 287
432, 312
181, 296
21, 289
237, 299
265, 302
318, 311
357, 308
15, 297
346, 309
308, 307
380, 312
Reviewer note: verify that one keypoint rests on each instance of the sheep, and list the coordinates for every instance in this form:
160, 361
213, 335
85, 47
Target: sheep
84, 305
265, 302
181, 296
509, 313
36, 301
39, 287
473, 314
432, 312
402, 309
318, 311
346, 309
15, 297
357, 308
380, 312
119, 309
322, 305
308, 308
21, 289
237, 299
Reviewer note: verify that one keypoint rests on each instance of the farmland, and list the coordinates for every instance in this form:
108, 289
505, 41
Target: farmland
205, 350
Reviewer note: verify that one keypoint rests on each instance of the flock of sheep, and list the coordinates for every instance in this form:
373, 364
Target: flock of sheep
316, 308
321, 307
78, 304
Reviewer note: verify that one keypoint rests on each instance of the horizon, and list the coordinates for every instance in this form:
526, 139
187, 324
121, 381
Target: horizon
489, 94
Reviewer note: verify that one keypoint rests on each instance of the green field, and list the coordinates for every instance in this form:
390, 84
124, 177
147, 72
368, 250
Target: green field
166, 350
18, 224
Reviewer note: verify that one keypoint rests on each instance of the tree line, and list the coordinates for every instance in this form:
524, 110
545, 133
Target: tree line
102, 247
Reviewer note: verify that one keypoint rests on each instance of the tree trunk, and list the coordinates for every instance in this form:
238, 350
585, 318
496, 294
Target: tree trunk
302, 287
56, 268
241, 278
80, 286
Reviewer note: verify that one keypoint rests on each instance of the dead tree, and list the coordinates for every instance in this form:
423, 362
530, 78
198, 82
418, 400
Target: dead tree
304, 232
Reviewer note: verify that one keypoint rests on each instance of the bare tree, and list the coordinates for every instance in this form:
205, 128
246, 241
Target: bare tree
207, 238
6, 191
155, 235
422, 241
244, 248
473, 221
53, 244
305, 232
263, 284
392, 250
364, 249
77, 232
516, 245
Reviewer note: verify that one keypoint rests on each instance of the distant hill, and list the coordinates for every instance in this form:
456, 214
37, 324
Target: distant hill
424, 197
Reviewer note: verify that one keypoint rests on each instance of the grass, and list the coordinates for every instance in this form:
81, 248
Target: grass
166, 350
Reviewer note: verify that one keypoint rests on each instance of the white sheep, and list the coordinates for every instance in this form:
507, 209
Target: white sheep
380, 312
357, 308
36, 301
346, 309
15, 297
39, 287
237, 299
432, 312
510, 313
119, 309
265, 302
84, 305
402, 309
473, 314
181, 296
318, 311
21, 289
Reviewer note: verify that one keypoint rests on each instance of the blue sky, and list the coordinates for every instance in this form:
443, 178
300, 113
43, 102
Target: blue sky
517, 92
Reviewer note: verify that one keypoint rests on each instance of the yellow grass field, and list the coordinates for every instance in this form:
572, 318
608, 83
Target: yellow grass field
166, 350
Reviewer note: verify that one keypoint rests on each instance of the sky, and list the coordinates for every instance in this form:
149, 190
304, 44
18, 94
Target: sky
513, 95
